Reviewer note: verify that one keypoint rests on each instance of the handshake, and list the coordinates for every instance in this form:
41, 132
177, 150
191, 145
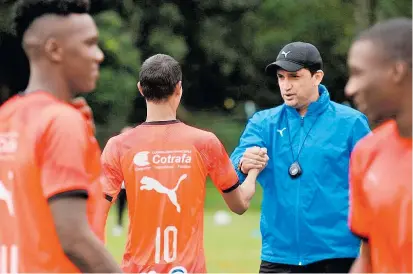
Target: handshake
254, 158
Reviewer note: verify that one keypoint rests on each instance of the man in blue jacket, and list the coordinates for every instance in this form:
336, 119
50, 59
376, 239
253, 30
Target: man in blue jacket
305, 184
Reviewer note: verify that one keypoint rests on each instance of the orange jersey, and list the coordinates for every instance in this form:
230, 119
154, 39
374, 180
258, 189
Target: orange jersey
165, 166
46, 150
381, 198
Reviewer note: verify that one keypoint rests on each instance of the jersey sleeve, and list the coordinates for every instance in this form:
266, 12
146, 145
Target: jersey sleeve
112, 171
252, 136
219, 166
359, 209
63, 151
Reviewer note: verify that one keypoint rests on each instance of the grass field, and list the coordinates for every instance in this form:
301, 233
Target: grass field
233, 248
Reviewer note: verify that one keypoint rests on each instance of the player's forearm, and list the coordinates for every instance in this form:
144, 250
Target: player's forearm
78, 242
89, 255
238, 200
363, 263
360, 265
249, 186
103, 213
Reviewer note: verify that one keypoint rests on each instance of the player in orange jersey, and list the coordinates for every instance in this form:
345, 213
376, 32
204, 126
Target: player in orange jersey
49, 159
164, 164
380, 63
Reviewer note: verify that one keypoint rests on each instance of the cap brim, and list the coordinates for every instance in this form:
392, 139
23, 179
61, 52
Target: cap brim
284, 65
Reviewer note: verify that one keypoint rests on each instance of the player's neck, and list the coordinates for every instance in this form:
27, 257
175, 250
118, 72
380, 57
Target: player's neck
404, 117
160, 112
48, 81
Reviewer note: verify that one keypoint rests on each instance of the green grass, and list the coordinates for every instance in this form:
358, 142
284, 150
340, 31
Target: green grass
234, 248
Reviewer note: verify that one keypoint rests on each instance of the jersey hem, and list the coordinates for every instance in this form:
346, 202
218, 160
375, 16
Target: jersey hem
82, 193
306, 261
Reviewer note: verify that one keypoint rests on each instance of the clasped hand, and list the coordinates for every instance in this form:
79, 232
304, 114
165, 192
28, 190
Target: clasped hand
254, 158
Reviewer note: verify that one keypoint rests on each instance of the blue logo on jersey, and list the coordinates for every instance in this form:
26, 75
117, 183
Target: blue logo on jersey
178, 269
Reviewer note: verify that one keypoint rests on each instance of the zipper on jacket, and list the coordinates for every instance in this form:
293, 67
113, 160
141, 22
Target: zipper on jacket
297, 218
296, 223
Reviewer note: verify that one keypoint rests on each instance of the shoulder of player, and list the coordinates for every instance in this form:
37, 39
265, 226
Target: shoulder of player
63, 118
192, 130
10, 103
61, 111
118, 139
375, 139
135, 132
383, 131
199, 137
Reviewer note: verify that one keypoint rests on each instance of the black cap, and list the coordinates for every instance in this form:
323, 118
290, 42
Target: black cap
295, 56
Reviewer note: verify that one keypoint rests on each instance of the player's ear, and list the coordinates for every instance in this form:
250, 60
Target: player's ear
53, 50
140, 88
399, 72
178, 89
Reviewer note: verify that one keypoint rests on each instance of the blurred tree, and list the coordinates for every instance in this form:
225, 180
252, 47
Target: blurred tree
222, 45
365, 13
112, 101
14, 67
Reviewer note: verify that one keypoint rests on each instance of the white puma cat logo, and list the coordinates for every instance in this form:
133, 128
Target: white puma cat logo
153, 184
281, 131
285, 53
5, 195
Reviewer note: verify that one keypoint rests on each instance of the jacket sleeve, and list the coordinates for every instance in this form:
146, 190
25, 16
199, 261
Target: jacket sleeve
252, 136
361, 128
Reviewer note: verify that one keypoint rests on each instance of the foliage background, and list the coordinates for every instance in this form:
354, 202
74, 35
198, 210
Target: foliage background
223, 46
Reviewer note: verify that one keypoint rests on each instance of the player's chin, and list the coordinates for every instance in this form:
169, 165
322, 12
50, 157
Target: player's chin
88, 87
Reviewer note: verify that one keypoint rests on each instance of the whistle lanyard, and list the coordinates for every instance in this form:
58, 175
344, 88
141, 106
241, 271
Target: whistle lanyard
289, 137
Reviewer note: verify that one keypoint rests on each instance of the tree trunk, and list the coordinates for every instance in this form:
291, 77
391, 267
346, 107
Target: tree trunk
365, 14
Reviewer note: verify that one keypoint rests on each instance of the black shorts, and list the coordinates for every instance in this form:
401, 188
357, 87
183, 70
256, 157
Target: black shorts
339, 265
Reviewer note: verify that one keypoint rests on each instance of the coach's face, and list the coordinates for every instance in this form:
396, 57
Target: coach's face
298, 88
369, 83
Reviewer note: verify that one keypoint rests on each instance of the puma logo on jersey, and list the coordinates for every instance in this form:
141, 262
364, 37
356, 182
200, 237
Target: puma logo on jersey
6, 196
153, 184
281, 131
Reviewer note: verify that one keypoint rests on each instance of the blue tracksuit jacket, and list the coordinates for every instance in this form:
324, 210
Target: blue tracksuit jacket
304, 220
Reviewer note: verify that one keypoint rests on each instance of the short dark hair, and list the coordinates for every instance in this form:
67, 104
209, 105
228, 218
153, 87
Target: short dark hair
393, 37
314, 68
26, 11
158, 77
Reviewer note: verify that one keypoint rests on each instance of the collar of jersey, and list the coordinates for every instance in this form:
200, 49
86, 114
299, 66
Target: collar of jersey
166, 122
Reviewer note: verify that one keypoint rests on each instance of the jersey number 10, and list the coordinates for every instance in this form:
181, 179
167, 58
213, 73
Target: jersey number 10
169, 253
8, 259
